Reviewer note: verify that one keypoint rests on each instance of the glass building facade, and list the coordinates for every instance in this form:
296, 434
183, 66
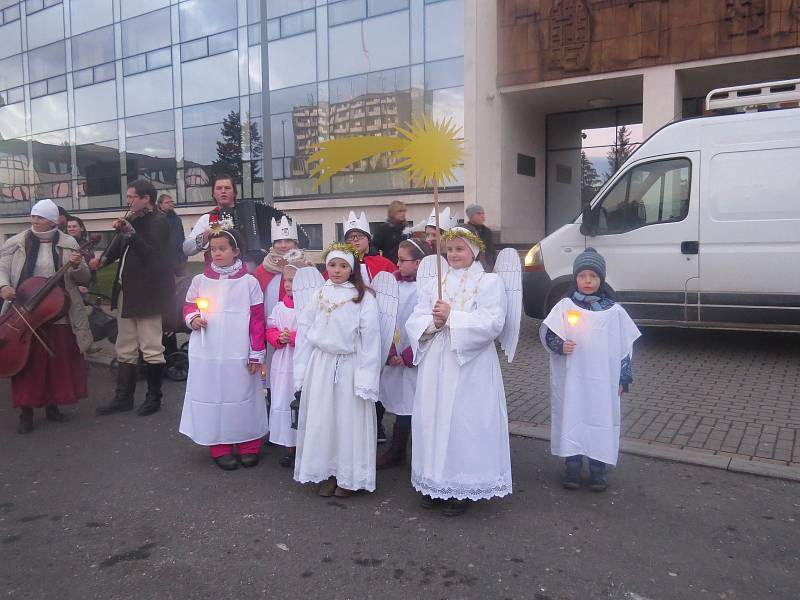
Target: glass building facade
96, 93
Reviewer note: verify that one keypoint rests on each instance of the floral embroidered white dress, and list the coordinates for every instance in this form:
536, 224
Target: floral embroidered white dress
459, 423
337, 364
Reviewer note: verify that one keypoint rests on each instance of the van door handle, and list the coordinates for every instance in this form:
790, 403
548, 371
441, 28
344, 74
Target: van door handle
690, 247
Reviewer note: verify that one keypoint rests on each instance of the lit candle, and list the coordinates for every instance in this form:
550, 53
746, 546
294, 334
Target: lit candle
573, 316
202, 304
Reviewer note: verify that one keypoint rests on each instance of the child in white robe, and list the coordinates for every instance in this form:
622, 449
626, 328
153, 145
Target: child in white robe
399, 374
337, 363
224, 405
281, 335
590, 340
459, 423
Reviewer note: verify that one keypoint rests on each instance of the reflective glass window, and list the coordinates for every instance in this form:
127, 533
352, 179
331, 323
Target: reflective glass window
273, 29
152, 123
222, 42
194, 49
147, 32
277, 8
200, 18
12, 121
45, 27
200, 145
346, 11
156, 145
210, 112
90, 14
93, 48
7, 3
11, 72
49, 113
254, 68
47, 61
253, 11
31, 6
152, 157
444, 30
292, 61
148, 92
211, 78
84, 77
10, 39
286, 100
95, 103
11, 14
379, 7
39, 88
297, 23
132, 8
97, 132
134, 64
15, 95
104, 72
444, 73
449, 104
371, 45
98, 169
159, 58
56, 84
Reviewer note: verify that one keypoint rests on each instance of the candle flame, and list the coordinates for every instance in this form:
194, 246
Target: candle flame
202, 303
573, 317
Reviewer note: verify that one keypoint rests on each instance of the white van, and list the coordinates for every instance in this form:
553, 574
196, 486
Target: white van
701, 225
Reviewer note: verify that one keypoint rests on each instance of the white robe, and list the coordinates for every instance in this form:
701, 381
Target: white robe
399, 382
224, 403
271, 295
337, 363
460, 424
282, 383
584, 386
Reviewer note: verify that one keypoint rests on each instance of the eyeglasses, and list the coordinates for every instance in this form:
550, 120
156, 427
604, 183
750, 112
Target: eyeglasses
355, 237
400, 260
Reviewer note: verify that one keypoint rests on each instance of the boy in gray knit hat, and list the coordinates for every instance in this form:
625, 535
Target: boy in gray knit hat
582, 333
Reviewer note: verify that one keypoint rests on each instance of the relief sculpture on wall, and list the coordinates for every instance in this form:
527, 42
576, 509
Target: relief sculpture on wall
569, 36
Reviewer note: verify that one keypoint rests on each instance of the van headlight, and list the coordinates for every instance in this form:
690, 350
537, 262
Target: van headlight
533, 259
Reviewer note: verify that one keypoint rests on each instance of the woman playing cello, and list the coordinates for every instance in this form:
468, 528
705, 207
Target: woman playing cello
48, 380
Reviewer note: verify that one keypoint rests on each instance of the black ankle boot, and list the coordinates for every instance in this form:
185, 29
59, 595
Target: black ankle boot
396, 454
123, 397
25, 424
54, 414
152, 402
572, 473
598, 476
379, 412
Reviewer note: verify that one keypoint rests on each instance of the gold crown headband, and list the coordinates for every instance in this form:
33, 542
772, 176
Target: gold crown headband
342, 247
224, 225
460, 232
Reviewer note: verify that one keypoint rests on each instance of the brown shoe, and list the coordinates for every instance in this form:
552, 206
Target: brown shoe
327, 487
343, 492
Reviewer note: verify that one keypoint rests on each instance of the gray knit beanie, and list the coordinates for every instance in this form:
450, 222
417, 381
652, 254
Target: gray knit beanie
590, 260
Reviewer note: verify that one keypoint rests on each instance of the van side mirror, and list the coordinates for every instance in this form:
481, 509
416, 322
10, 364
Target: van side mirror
588, 221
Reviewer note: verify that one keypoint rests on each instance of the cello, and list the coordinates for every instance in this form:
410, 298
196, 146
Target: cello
38, 301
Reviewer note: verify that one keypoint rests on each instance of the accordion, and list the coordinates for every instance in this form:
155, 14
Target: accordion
253, 219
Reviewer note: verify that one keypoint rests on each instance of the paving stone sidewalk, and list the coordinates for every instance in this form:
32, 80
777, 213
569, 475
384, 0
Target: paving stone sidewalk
728, 395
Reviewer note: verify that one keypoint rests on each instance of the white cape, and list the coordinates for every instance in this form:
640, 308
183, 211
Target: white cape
584, 386
460, 424
281, 381
224, 403
399, 382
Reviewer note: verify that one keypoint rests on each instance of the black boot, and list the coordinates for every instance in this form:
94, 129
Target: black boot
598, 476
572, 472
152, 402
127, 374
379, 411
396, 454
54, 414
25, 424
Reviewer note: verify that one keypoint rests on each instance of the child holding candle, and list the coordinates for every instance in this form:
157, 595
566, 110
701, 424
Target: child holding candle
281, 334
590, 340
224, 405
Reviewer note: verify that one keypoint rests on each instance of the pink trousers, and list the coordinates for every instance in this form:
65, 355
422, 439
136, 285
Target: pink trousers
251, 447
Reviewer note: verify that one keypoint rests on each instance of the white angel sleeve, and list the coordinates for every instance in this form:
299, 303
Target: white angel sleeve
509, 269
472, 331
368, 350
388, 297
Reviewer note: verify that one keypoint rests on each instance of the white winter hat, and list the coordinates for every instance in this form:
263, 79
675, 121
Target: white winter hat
46, 209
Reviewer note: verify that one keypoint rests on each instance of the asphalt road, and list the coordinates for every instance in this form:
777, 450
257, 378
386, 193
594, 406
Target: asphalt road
125, 507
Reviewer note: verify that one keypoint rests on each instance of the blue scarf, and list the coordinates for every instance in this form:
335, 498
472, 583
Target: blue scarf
592, 301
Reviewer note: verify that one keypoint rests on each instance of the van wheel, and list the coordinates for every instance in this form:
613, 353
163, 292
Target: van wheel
557, 294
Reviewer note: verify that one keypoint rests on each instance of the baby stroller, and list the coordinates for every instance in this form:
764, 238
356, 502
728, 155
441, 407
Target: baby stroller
104, 326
